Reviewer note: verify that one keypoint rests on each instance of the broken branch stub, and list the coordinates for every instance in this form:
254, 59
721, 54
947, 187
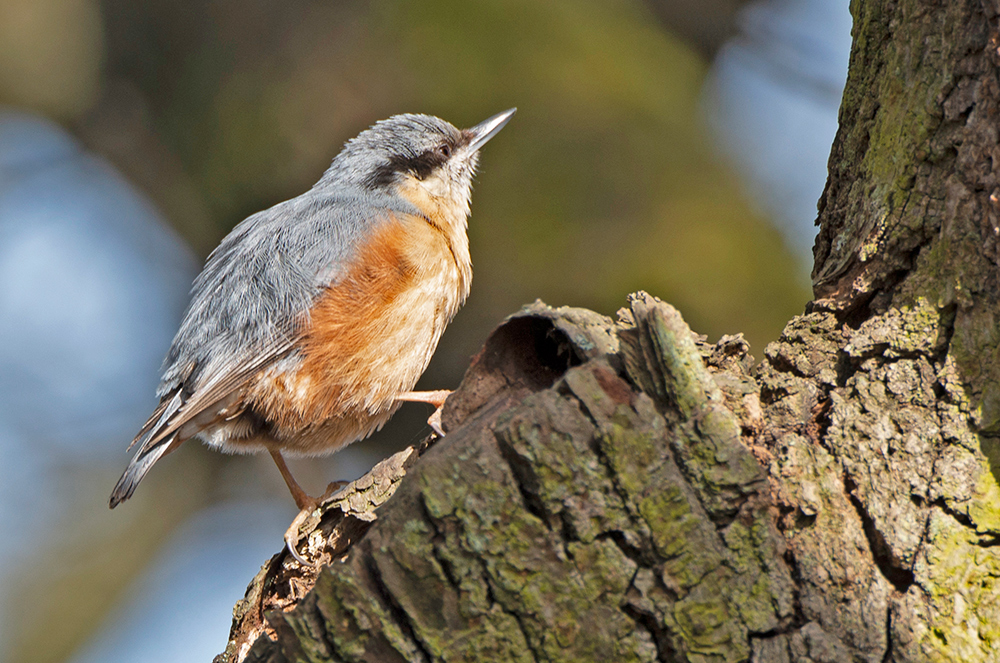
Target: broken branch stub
595, 498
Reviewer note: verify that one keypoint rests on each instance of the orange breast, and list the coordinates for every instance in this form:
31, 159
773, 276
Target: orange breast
369, 337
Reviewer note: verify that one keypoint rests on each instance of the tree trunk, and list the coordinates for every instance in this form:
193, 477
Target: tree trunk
623, 491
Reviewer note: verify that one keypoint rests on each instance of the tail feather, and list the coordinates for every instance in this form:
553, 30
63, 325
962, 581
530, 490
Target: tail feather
168, 407
137, 469
150, 451
218, 388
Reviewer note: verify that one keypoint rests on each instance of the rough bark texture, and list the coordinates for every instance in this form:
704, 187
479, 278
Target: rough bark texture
905, 359
594, 499
623, 491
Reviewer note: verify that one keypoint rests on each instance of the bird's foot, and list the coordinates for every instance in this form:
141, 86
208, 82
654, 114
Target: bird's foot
434, 421
435, 398
293, 534
307, 507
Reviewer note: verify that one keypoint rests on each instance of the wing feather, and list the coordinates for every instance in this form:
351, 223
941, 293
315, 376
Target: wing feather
216, 389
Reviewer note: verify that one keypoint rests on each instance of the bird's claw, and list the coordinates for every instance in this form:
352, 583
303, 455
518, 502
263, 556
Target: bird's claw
435, 422
292, 534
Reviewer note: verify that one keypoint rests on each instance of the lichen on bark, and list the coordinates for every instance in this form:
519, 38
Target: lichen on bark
915, 171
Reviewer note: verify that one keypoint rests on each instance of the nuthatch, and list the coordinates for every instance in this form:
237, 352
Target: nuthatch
312, 320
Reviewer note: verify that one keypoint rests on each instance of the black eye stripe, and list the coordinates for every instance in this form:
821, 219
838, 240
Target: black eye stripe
424, 163
420, 166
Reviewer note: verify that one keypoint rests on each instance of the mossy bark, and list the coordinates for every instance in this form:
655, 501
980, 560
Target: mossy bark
621, 490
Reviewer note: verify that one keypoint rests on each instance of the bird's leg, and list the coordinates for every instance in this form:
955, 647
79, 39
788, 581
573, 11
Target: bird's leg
302, 500
435, 398
305, 503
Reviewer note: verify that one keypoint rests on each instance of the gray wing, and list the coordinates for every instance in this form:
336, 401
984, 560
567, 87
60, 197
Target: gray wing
250, 306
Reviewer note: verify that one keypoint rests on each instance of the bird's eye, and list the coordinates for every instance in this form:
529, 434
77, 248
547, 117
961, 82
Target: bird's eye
445, 150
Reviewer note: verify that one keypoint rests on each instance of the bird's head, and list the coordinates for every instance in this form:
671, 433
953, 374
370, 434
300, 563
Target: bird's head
418, 156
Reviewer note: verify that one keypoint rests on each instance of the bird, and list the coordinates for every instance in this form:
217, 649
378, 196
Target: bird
312, 320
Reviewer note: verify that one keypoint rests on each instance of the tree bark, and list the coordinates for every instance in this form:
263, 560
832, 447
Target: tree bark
621, 490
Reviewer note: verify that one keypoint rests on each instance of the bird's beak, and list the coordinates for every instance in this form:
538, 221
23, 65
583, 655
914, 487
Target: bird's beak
487, 129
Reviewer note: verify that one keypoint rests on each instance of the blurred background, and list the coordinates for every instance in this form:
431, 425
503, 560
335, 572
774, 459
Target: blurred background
677, 146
